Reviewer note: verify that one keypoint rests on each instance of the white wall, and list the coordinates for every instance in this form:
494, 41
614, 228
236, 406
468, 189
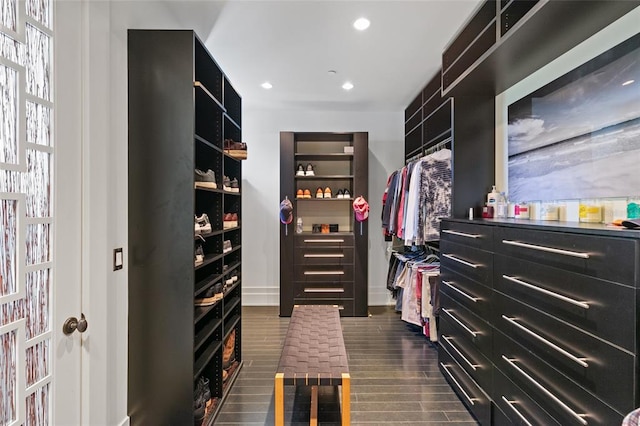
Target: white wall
261, 190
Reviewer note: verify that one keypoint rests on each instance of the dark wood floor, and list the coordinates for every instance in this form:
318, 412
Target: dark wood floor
394, 376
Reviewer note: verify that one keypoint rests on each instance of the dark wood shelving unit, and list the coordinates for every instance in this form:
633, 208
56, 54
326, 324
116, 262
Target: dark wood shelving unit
185, 115
337, 170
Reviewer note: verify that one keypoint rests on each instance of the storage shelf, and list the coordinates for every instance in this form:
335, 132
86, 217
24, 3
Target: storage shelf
208, 143
324, 199
324, 157
233, 249
232, 267
232, 121
205, 333
233, 302
230, 325
204, 359
198, 85
201, 311
208, 234
209, 259
235, 228
325, 177
204, 284
233, 286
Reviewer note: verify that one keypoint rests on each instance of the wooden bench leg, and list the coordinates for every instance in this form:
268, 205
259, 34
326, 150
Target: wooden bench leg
279, 399
314, 406
346, 399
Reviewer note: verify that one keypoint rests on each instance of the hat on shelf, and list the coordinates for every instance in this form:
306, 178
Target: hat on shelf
361, 208
286, 211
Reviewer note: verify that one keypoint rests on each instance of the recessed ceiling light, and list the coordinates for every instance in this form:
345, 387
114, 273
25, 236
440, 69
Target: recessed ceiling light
332, 72
628, 82
361, 24
347, 86
266, 85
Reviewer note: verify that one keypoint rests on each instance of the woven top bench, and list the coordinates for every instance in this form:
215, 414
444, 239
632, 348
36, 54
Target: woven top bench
314, 354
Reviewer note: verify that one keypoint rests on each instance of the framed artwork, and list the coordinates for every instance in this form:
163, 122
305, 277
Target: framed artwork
578, 137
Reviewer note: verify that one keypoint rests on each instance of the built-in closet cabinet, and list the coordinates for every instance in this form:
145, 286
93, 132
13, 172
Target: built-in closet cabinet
181, 108
324, 264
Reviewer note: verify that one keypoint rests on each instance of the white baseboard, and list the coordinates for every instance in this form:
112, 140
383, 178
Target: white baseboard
125, 422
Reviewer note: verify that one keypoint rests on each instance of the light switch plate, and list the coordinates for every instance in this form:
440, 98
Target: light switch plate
117, 259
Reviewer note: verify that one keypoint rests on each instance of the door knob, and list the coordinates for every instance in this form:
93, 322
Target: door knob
72, 324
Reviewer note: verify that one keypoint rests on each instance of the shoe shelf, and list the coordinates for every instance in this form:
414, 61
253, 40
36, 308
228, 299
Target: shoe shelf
200, 110
204, 284
325, 177
324, 199
209, 259
201, 337
323, 157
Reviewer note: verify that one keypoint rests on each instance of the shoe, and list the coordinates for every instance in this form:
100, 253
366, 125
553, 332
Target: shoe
201, 395
202, 224
346, 193
300, 171
230, 220
319, 193
226, 183
237, 150
300, 193
327, 192
199, 256
340, 194
229, 281
226, 246
307, 194
309, 171
199, 409
205, 179
236, 276
235, 187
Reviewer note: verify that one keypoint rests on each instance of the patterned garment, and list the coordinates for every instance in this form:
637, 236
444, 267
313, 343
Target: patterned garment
435, 195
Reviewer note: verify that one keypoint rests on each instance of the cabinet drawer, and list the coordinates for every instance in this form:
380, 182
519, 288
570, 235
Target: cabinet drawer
457, 344
323, 256
311, 273
470, 393
346, 306
323, 289
468, 261
515, 406
470, 294
561, 398
603, 308
468, 234
324, 240
608, 258
599, 367
475, 329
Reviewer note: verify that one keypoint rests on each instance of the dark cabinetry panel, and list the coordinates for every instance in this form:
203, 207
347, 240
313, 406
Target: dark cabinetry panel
562, 327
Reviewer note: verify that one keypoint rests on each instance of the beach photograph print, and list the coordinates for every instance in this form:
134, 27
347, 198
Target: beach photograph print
579, 136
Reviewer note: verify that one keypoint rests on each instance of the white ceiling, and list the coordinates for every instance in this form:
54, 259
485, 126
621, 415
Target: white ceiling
293, 44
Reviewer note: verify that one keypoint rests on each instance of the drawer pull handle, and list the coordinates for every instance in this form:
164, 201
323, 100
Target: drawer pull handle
584, 305
461, 234
324, 290
464, 262
449, 284
325, 255
448, 340
579, 417
324, 272
471, 332
547, 249
444, 367
324, 241
552, 345
515, 410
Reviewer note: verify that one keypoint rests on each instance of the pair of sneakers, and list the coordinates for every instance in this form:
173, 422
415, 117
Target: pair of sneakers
230, 220
343, 193
202, 224
226, 246
230, 185
326, 193
305, 171
201, 397
303, 193
232, 278
205, 180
